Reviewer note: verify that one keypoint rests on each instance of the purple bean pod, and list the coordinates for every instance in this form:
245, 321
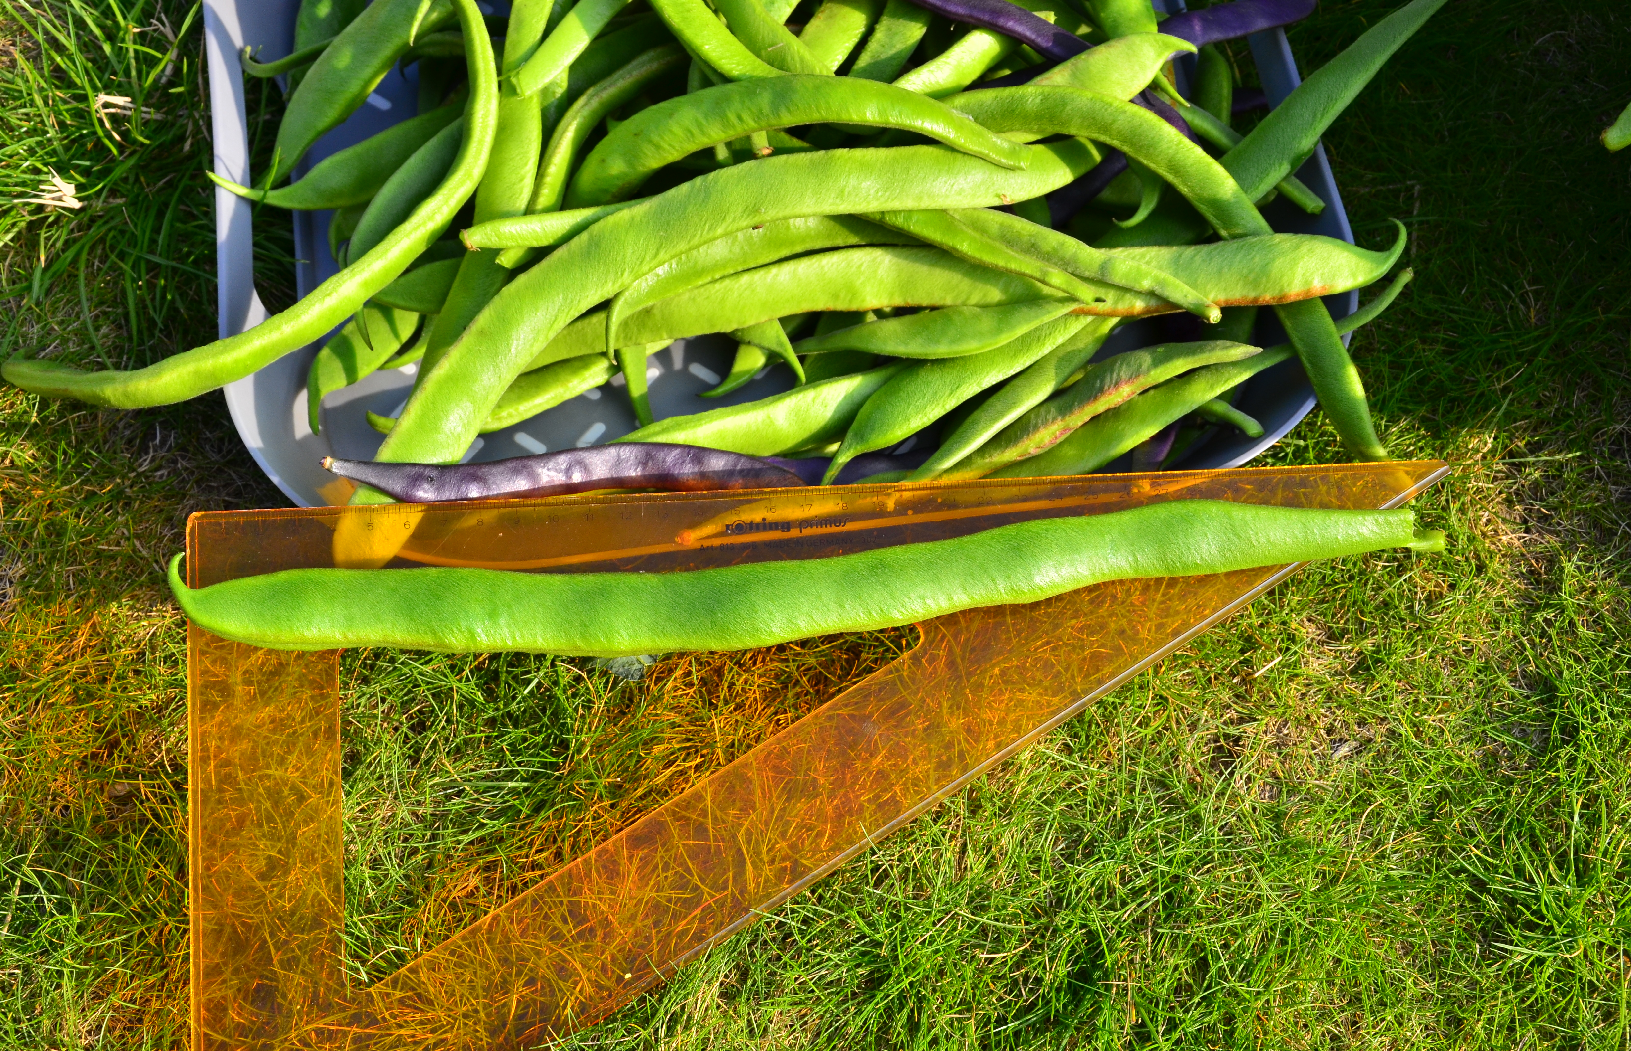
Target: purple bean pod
1010, 20
622, 465
1149, 454
1231, 21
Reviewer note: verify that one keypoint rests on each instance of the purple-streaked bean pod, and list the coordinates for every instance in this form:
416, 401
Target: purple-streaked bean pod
626, 465
1231, 21
1011, 20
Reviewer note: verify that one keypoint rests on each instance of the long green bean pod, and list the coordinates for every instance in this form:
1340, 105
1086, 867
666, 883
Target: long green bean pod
1117, 430
813, 414
347, 71
706, 37
193, 372
359, 348
586, 114
1084, 261
444, 411
457, 609
1105, 385
767, 38
836, 28
926, 391
849, 279
950, 332
569, 39
1018, 396
942, 230
355, 174
664, 133
959, 65
407, 188
746, 249
1135, 131
894, 37
1288, 134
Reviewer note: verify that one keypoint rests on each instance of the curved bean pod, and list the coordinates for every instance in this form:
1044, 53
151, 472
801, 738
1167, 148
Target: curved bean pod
1225, 138
460, 609
1111, 433
521, 233
1105, 385
545, 388
849, 279
1120, 68
191, 373
812, 415
1336, 382
357, 350
891, 42
668, 131
1070, 254
449, 404
959, 65
586, 114
1277, 268
1287, 136
407, 188
924, 392
355, 174
952, 332
422, 290
347, 71
295, 60
704, 36
1135, 131
1019, 395
1221, 412
942, 230
836, 28
563, 45
767, 38
744, 250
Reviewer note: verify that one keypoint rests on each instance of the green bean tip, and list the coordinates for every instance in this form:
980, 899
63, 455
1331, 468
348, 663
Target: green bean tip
1427, 541
231, 187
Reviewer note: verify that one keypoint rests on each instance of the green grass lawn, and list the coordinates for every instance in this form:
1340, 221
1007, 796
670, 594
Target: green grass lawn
1388, 805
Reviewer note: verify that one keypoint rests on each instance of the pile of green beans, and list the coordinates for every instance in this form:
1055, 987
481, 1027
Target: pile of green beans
862, 193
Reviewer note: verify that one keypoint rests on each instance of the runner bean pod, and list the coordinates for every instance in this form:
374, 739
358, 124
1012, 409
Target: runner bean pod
459, 609
925, 391
662, 134
205, 368
1117, 430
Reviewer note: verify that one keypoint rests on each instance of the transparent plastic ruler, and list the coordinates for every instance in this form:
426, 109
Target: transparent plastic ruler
264, 788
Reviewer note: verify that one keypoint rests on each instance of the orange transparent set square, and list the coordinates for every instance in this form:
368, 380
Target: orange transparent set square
266, 847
